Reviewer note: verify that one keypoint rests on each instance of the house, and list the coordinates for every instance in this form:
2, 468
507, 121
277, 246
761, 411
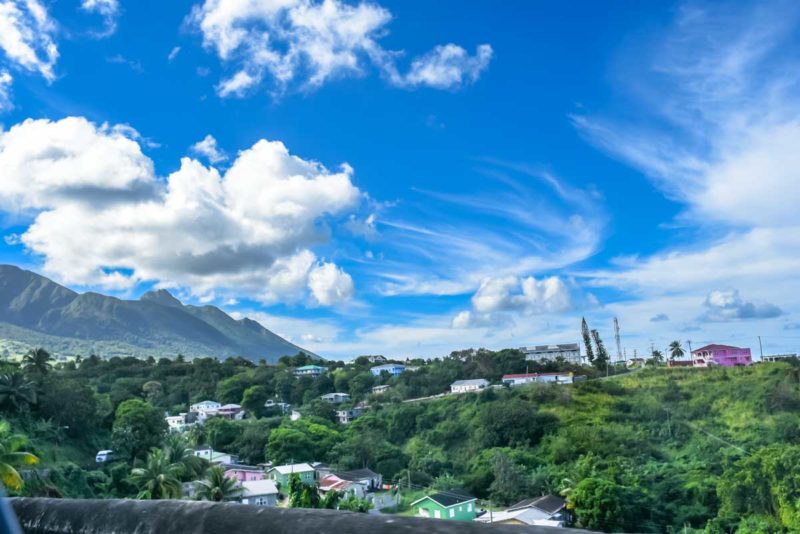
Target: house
394, 369
547, 510
282, 473
570, 352
774, 358
635, 362
366, 477
336, 398
346, 416
216, 457
527, 378
259, 492
376, 359
243, 473
466, 386
454, 505
310, 370
231, 411
279, 407
380, 390
724, 355
347, 488
177, 423
205, 409
295, 415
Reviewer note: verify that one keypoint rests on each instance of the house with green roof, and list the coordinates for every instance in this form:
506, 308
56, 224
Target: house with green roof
455, 505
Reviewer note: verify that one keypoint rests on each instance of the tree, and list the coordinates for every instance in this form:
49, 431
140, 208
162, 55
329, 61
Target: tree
16, 392
138, 427
603, 504
587, 340
37, 362
657, 356
11, 457
158, 479
69, 403
254, 399
217, 487
302, 495
354, 504
676, 350
510, 483
178, 452
601, 359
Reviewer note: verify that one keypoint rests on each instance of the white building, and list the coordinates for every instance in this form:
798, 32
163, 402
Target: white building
205, 409
336, 398
380, 390
527, 378
259, 492
570, 352
215, 457
394, 369
346, 416
177, 423
466, 386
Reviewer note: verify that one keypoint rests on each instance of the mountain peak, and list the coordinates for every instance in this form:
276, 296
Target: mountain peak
162, 297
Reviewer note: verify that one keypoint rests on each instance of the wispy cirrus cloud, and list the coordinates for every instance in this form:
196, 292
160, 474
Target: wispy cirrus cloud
716, 130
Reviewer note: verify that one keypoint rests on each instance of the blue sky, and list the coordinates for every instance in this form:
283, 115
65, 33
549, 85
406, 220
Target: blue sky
411, 178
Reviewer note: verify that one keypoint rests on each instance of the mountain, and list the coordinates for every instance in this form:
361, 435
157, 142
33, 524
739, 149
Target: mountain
35, 311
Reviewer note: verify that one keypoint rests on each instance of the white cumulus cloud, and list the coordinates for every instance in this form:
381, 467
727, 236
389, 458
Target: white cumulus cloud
101, 216
312, 42
726, 305
208, 147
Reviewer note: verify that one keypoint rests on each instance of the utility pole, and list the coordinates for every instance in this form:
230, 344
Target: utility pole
616, 337
689, 342
760, 348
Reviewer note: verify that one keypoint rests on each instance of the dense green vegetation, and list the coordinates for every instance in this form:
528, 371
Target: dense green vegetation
657, 450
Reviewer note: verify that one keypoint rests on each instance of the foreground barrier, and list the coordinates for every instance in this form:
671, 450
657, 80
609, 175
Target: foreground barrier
118, 516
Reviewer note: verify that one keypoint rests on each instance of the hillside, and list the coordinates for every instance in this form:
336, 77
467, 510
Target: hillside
35, 311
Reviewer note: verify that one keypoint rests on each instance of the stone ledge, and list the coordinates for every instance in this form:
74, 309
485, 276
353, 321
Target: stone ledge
120, 516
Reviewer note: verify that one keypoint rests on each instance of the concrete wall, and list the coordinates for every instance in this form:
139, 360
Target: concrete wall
52, 516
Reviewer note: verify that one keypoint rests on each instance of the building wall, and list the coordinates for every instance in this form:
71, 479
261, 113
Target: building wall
460, 512
261, 500
725, 357
305, 476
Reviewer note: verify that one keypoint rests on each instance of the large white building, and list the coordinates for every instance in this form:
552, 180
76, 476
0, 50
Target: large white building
570, 352
466, 386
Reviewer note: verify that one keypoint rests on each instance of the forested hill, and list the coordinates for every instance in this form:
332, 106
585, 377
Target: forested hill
656, 450
35, 311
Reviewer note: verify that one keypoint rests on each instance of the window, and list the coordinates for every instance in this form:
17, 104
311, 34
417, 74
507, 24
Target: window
452, 512
469, 507
437, 514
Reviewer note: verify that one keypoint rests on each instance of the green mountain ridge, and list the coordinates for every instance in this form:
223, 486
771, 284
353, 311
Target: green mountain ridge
36, 311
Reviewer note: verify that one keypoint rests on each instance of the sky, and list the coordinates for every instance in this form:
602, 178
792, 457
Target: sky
410, 178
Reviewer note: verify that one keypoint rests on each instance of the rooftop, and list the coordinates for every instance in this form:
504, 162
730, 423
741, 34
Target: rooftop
448, 499
715, 346
546, 503
550, 348
259, 487
293, 468
471, 382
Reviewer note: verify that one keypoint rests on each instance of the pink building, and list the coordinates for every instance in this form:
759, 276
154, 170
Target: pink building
724, 355
244, 473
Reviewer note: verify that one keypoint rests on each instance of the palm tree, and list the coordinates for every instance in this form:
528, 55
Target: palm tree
16, 392
158, 479
179, 452
37, 362
675, 350
11, 456
217, 487
657, 356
